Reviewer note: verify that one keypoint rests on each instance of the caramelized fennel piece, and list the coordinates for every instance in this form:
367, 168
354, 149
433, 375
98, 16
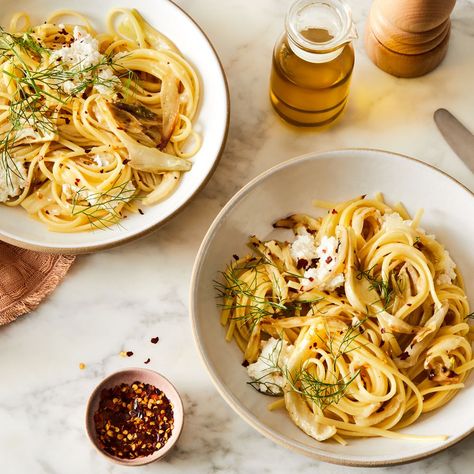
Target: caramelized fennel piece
140, 122
143, 124
138, 128
169, 106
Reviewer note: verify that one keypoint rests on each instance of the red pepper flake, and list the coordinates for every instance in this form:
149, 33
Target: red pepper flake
302, 263
141, 212
311, 279
147, 361
404, 355
363, 196
245, 363
235, 257
382, 330
129, 353
77, 181
329, 259
334, 211
67, 120
154, 340
134, 420
126, 161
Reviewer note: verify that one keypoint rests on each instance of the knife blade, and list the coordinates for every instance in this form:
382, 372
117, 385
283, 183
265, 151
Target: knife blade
459, 138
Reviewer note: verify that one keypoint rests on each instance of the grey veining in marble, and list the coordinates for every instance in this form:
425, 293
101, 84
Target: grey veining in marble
140, 290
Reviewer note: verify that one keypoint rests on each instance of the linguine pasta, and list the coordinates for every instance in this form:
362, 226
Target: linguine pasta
360, 325
92, 124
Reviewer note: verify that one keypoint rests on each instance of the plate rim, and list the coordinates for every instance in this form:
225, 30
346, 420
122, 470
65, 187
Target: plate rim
245, 414
92, 248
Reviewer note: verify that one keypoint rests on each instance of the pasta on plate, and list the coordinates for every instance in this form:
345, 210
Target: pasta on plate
359, 325
92, 124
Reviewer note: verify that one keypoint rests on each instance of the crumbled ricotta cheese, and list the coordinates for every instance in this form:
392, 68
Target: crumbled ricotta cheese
448, 275
107, 81
82, 54
304, 247
318, 276
12, 179
103, 159
266, 371
393, 221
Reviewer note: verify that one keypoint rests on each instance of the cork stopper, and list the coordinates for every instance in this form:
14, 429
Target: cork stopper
408, 38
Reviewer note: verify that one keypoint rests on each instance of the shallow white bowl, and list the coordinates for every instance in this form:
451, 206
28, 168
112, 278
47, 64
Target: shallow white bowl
17, 228
291, 187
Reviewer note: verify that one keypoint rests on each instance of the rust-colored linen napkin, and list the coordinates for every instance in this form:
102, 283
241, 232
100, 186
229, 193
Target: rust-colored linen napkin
26, 277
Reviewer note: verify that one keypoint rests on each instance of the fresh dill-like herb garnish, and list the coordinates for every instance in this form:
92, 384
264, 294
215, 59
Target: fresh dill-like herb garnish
40, 91
256, 307
305, 383
382, 286
98, 203
321, 392
343, 347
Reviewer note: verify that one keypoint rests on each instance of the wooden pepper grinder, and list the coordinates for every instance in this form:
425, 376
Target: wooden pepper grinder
408, 38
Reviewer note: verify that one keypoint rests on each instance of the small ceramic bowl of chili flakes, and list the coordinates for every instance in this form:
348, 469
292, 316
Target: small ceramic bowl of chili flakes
134, 417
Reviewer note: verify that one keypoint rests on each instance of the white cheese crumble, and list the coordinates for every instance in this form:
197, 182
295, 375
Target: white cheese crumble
319, 276
266, 371
393, 221
304, 247
12, 179
81, 54
448, 274
107, 81
103, 159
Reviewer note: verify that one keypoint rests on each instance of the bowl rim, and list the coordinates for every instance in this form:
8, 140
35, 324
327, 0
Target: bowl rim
230, 399
158, 455
126, 239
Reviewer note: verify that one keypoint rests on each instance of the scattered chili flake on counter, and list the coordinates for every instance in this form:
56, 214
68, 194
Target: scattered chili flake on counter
147, 361
133, 420
129, 353
154, 340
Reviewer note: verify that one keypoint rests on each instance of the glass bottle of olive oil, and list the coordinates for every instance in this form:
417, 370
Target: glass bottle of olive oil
313, 62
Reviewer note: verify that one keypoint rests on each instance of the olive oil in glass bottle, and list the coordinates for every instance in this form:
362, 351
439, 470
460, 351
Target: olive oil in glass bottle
313, 62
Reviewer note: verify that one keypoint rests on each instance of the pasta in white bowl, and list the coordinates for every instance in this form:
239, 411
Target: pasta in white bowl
103, 120
353, 317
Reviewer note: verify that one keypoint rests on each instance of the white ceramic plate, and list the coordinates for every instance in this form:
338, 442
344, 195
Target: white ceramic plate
288, 188
212, 123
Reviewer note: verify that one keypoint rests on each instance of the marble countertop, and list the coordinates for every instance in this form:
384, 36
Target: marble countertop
118, 299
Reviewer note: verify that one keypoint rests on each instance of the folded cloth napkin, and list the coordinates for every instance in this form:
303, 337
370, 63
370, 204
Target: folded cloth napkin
26, 277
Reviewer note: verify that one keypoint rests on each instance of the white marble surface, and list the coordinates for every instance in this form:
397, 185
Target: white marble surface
118, 299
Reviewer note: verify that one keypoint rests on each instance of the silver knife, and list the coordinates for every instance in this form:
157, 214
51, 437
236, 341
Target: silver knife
459, 138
